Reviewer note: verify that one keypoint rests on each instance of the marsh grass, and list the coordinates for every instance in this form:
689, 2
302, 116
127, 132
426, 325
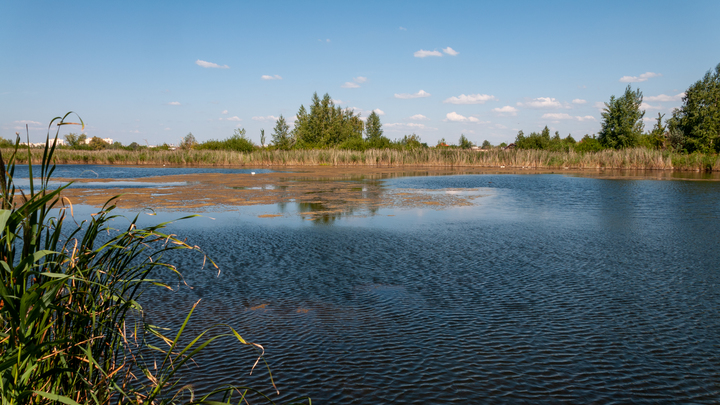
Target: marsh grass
635, 158
71, 327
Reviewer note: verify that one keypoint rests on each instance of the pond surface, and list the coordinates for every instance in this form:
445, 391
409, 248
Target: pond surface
546, 289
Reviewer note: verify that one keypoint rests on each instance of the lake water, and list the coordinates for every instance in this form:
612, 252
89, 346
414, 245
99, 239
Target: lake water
548, 289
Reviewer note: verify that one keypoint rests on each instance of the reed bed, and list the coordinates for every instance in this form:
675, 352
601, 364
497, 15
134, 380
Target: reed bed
72, 330
636, 158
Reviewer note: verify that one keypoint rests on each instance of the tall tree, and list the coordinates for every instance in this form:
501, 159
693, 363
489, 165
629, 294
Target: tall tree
74, 140
699, 117
464, 143
373, 128
281, 134
622, 120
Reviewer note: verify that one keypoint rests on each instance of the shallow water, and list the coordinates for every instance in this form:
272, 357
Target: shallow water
548, 289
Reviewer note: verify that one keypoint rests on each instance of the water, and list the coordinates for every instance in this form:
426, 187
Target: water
549, 289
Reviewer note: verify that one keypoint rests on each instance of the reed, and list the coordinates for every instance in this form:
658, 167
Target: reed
71, 327
635, 158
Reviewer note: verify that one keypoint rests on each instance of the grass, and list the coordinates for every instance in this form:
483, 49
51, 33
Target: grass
71, 326
636, 158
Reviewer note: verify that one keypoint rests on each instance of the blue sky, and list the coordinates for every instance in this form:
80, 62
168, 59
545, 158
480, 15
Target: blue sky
158, 70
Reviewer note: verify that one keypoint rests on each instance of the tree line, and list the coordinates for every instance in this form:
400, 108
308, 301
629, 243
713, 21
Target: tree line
694, 127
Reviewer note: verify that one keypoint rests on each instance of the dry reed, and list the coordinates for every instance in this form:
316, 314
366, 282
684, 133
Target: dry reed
636, 158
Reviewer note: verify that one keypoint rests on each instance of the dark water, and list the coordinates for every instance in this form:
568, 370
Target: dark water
551, 289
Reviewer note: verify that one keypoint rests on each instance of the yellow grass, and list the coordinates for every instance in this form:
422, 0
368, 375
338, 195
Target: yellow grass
636, 158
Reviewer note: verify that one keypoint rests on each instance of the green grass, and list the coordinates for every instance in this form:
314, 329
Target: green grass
71, 325
635, 158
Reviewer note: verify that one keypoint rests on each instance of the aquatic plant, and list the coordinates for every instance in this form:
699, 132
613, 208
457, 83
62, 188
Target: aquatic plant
631, 158
71, 326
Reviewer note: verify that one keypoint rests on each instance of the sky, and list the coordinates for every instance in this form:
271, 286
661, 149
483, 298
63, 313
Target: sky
151, 72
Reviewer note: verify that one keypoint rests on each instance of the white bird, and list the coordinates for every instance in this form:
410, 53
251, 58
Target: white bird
253, 173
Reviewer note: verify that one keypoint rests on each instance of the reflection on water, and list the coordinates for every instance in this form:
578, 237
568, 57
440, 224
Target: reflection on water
555, 289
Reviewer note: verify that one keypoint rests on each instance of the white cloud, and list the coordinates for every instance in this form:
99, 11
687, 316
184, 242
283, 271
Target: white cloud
643, 77
564, 116
666, 98
174, 103
379, 111
269, 77
419, 94
27, 122
500, 126
210, 65
409, 126
235, 118
450, 51
224, 112
403, 29
507, 110
423, 53
455, 117
360, 79
336, 101
579, 101
542, 102
599, 105
350, 85
646, 106
557, 116
268, 118
166, 129
134, 131
419, 117
470, 99
327, 40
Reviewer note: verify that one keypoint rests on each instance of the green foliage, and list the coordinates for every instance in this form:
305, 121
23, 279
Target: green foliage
622, 120
189, 141
238, 142
656, 138
96, 143
698, 119
75, 141
281, 134
326, 125
486, 144
464, 143
373, 128
588, 144
412, 142
543, 141
262, 138
441, 143
72, 330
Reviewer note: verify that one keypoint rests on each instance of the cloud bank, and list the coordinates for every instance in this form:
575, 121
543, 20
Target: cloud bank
470, 99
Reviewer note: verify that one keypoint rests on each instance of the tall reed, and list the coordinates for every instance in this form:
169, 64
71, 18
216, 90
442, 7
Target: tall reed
635, 158
71, 327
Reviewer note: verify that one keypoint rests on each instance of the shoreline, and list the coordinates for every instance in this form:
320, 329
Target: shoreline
628, 159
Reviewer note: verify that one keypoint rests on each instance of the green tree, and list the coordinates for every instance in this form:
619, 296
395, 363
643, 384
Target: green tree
75, 141
281, 134
486, 144
411, 142
189, 141
97, 143
464, 143
262, 138
373, 128
698, 119
622, 120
